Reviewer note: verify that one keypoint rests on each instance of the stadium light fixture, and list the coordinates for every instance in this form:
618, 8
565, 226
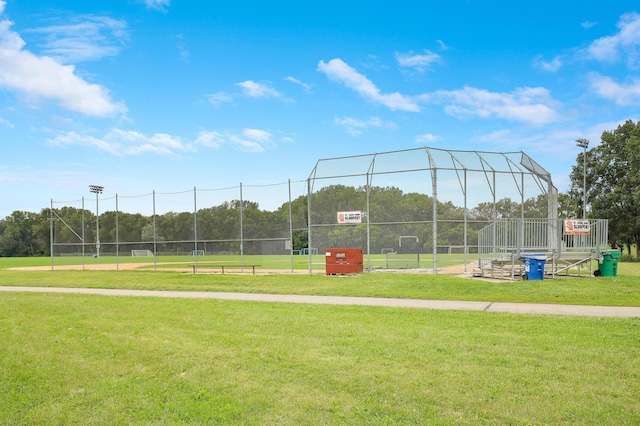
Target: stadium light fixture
584, 144
97, 189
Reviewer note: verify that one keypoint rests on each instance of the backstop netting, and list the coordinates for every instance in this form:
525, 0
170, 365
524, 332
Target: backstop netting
414, 201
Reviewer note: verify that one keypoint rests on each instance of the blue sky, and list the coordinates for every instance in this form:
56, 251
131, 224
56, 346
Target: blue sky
165, 95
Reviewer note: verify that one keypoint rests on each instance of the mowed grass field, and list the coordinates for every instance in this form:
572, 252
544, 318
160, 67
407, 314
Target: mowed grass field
282, 262
79, 359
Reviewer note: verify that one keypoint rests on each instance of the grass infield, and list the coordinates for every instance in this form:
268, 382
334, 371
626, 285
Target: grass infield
77, 359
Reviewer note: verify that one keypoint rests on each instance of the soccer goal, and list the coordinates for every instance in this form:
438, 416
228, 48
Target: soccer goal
141, 253
195, 253
402, 261
453, 250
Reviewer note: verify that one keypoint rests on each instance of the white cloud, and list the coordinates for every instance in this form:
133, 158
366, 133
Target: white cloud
339, 71
248, 140
247, 145
532, 105
210, 139
251, 140
442, 45
559, 142
305, 86
258, 90
419, 62
160, 5
556, 142
248, 88
182, 48
550, 66
124, 142
500, 137
6, 122
625, 42
257, 135
73, 138
427, 138
356, 127
84, 38
621, 94
220, 98
135, 142
38, 78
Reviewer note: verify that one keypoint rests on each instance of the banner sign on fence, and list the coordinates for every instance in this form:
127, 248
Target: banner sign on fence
350, 218
576, 227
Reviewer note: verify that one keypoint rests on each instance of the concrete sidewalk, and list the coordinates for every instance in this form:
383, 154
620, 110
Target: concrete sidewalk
515, 308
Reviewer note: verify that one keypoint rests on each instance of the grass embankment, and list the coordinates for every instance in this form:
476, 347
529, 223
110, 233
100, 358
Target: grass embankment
74, 359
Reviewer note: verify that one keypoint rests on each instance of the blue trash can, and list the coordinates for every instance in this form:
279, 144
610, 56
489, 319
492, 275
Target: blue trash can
533, 266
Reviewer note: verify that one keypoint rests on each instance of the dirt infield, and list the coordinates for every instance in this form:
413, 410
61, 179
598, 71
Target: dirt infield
91, 267
215, 269
165, 266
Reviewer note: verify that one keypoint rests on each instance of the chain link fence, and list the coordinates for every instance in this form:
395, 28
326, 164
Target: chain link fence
401, 207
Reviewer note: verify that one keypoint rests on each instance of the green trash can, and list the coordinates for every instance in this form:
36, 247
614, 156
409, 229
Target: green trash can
608, 267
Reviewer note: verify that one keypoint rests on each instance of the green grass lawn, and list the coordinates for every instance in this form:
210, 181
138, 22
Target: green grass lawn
94, 360
74, 359
264, 261
622, 290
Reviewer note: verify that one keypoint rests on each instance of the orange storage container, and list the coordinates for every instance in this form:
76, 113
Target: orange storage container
342, 261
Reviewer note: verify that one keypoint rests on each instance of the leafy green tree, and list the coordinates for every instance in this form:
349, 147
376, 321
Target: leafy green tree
504, 208
19, 236
613, 183
300, 240
536, 207
568, 206
326, 202
130, 227
148, 235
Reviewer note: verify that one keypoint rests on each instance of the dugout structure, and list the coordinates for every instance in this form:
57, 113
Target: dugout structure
439, 197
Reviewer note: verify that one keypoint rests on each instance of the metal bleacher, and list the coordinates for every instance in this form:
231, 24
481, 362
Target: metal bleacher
568, 244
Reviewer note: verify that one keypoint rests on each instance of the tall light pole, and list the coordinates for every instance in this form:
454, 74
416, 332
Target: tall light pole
583, 143
97, 189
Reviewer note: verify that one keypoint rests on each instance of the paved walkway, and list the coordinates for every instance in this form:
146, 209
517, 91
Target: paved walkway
516, 308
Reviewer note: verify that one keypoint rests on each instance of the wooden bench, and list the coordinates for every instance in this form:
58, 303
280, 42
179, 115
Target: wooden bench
222, 267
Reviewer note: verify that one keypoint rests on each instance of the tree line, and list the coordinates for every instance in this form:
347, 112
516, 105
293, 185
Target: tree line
612, 184
29, 234
613, 193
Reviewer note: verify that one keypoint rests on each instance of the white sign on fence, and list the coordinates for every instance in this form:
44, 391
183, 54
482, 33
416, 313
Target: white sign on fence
577, 227
350, 218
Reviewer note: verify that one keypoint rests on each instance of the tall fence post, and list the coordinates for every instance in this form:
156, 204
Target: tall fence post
195, 227
309, 244
83, 237
290, 228
117, 235
51, 232
155, 231
241, 229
